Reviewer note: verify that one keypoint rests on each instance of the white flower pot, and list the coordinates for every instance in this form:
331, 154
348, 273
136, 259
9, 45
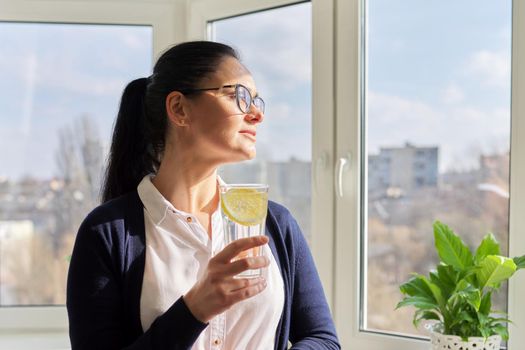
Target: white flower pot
452, 342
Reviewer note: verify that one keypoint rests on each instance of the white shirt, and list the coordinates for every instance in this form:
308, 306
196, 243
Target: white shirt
178, 249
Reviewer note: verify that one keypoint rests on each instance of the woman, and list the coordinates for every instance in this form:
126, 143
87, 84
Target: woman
149, 270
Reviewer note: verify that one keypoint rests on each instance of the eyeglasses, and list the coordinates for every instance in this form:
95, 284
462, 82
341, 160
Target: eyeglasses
242, 96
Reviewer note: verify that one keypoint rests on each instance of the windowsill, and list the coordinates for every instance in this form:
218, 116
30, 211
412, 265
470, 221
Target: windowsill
34, 340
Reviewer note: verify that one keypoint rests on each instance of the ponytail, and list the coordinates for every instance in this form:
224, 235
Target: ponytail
129, 158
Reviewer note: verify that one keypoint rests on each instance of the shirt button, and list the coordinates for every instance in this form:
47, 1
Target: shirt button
189, 219
217, 342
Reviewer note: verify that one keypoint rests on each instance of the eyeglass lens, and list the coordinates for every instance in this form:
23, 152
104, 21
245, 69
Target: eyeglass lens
245, 100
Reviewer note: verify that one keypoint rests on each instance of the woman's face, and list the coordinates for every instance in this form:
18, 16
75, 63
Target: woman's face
216, 129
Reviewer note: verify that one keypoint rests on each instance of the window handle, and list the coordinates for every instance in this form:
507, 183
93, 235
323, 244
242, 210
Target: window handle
342, 163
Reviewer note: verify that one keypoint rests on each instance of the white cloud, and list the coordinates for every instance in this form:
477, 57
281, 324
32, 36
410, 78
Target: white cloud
452, 94
456, 129
78, 60
89, 85
490, 67
394, 109
29, 93
133, 41
393, 120
279, 111
275, 44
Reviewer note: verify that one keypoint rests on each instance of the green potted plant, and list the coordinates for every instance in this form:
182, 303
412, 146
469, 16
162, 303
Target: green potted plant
457, 295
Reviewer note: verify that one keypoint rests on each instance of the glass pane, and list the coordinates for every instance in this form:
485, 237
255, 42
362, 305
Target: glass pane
61, 84
438, 139
283, 74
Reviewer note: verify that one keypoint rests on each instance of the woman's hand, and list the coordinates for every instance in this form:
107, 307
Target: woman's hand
218, 290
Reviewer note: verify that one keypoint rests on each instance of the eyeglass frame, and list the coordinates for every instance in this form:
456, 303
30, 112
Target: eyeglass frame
260, 107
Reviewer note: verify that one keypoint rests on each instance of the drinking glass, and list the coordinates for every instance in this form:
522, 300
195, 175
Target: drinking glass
243, 210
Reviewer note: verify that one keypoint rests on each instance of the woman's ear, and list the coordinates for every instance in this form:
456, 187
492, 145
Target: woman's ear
176, 108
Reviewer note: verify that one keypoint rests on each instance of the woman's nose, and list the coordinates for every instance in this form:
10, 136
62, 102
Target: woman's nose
255, 115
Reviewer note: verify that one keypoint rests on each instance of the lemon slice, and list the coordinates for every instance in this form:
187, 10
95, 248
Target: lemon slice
245, 206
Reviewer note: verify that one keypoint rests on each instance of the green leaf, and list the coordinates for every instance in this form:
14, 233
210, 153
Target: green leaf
416, 286
454, 305
421, 315
494, 269
520, 262
473, 298
419, 285
445, 279
422, 293
486, 304
485, 331
468, 293
488, 246
462, 317
465, 316
502, 331
498, 320
422, 303
451, 248
484, 320
461, 286
436, 292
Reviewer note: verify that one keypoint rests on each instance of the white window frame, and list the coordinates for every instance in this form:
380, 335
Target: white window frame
47, 321
200, 13
349, 105
336, 110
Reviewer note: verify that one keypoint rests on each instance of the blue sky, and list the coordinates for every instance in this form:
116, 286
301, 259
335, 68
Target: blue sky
52, 75
276, 47
438, 74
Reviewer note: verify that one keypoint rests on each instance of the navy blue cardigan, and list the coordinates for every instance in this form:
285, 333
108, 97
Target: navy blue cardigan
105, 282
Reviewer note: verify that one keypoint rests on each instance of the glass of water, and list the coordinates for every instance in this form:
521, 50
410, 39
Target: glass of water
243, 209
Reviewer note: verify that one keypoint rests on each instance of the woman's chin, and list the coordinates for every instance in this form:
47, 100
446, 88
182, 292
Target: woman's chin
242, 156
248, 154
252, 152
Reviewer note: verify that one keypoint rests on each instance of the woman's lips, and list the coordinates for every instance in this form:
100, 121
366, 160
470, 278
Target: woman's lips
249, 134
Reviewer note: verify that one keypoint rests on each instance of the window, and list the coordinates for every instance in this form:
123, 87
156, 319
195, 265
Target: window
435, 97
350, 43
36, 313
283, 78
442, 86
61, 84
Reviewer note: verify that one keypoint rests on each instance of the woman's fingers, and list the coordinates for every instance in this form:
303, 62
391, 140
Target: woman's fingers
250, 289
236, 284
218, 289
251, 263
236, 247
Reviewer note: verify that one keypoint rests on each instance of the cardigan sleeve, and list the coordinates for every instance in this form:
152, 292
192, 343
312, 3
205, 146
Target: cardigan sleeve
311, 325
95, 303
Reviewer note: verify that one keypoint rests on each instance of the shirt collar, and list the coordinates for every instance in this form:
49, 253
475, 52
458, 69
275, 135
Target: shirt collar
154, 202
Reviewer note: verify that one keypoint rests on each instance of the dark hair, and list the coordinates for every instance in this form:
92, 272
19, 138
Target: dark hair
140, 129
